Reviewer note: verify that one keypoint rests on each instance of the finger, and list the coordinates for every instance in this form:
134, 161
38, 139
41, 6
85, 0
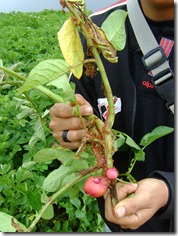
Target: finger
62, 110
72, 136
109, 213
71, 145
123, 190
81, 100
132, 221
72, 123
133, 206
135, 220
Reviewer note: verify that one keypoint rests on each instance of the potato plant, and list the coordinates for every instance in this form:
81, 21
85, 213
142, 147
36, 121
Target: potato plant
90, 168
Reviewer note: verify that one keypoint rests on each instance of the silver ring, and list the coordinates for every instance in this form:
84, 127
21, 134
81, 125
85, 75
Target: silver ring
64, 136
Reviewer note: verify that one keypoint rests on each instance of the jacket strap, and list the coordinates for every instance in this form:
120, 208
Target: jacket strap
154, 57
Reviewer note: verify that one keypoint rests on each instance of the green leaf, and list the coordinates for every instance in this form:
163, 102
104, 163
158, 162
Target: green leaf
79, 164
46, 154
39, 133
68, 91
54, 179
4, 168
6, 223
74, 191
64, 155
124, 139
119, 142
114, 28
80, 214
26, 111
71, 47
139, 155
131, 143
156, 133
45, 72
48, 214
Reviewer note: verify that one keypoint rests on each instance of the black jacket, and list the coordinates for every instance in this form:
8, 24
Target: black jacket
142, 110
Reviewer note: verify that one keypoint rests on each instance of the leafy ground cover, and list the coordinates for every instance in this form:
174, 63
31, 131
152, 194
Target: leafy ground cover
25, 40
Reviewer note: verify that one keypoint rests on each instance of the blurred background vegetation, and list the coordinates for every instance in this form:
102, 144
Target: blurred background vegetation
25, 40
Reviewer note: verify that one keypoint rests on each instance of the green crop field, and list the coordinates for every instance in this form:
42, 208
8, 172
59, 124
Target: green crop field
25, 40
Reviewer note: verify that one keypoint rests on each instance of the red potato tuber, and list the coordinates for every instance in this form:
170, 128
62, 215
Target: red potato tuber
96, 186
112, 173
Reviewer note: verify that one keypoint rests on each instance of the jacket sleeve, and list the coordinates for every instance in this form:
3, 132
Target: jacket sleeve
166, 212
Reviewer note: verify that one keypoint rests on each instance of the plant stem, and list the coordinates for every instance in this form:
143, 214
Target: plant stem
52, 199
128, 176
111, 114
107, 88
14, 83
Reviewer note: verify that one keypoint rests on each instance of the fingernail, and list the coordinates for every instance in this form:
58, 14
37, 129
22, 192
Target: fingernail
134, 185
121, 212
88, 110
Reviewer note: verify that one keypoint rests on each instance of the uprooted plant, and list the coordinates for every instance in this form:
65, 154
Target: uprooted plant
93, 161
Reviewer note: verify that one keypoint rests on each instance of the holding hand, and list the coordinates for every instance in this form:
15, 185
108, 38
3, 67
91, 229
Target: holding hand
149, 196
66, 127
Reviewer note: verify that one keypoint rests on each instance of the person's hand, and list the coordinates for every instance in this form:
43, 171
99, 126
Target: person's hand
131, 212
63, 119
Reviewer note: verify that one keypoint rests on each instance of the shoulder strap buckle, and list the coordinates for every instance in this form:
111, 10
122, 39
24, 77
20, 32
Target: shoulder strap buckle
154, 58
164, 83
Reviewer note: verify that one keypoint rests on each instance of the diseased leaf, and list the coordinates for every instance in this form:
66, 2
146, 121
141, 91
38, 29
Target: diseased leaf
71, 47
45, 72
114, 28
6, 223
156, 133
101, 42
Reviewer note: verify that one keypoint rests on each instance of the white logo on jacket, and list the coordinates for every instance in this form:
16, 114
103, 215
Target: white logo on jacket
103, 106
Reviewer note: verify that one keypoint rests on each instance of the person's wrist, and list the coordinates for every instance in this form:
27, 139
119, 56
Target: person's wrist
164, 193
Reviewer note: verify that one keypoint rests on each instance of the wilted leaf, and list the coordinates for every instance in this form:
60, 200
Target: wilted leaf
45, 72
6, 222
71, 47
114, 28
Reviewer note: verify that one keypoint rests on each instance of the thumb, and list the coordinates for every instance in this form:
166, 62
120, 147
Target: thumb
127, 206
